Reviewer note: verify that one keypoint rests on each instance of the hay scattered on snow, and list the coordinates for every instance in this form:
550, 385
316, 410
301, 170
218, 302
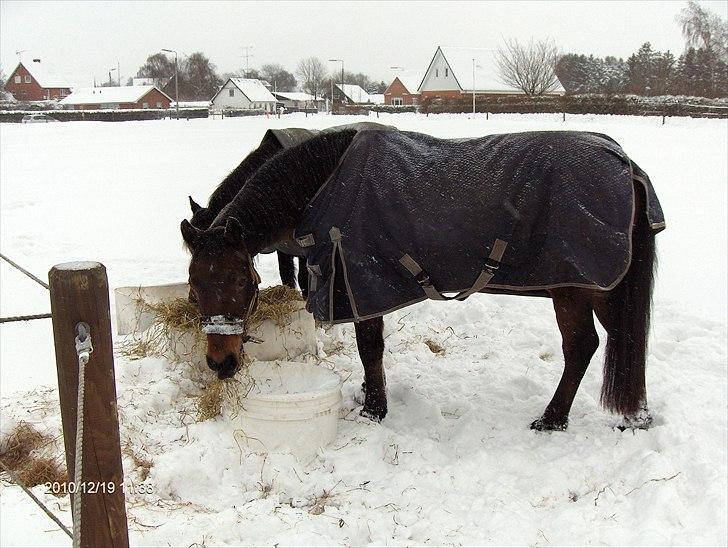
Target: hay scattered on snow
23, 455
231, 391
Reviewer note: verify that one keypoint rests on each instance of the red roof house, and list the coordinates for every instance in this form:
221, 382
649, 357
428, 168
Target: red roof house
36, 82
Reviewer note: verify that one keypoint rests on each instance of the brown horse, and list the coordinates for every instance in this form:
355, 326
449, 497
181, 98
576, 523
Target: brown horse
270, 206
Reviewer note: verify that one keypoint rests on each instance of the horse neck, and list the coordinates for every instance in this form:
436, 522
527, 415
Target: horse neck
271, 204
238, 177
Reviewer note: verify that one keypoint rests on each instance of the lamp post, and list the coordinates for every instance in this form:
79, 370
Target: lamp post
342, 81
176, 87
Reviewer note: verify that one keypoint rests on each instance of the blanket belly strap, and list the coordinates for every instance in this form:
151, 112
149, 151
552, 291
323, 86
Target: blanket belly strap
483, 279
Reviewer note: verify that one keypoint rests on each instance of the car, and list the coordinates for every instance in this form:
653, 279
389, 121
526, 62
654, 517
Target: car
37, 118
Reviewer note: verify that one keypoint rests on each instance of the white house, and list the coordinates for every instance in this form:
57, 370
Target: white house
299, 100
454, 71
353, 93
243, 93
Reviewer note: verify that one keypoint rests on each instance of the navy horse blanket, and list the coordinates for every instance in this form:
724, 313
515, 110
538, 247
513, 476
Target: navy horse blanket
406, 216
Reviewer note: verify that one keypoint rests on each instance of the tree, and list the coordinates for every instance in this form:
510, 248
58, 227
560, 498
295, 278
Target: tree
641, 70
702, 28
201, 81
312, 72
2, 79
278, 77
158, 66
529, 67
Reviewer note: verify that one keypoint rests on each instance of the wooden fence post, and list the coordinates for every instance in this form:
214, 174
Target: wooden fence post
80, 293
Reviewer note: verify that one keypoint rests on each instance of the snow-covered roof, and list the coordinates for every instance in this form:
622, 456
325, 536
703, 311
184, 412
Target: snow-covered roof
254, 90
487, 74
45, 75
376, 98
411, 79
295, 95
111, 95
355, 93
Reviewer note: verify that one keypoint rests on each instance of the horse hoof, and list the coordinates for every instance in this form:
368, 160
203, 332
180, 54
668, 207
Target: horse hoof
641, 420
545, 425
359, 397
373, 415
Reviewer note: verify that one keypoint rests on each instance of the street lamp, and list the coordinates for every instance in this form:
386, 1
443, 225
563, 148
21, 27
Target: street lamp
342, 81
176, 87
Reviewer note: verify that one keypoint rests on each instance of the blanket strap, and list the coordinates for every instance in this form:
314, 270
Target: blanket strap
483, 279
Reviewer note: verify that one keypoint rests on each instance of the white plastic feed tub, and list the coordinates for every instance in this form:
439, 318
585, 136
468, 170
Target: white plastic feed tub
291, 407
297, 337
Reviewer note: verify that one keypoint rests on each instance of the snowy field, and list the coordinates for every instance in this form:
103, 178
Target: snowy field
454, 462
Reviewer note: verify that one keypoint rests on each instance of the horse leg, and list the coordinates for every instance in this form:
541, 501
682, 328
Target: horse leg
303, 276
579, 342
287, 270
370, 343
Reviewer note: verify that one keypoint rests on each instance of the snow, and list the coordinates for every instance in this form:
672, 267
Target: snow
295, 95
110, 95
453, 462
45, 75
355, 93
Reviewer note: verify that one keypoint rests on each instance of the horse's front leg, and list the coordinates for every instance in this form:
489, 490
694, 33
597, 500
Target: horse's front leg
303, 276
370, 342
286, 269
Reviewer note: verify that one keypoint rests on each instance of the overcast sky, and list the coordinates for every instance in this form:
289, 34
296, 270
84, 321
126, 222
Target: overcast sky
86, 38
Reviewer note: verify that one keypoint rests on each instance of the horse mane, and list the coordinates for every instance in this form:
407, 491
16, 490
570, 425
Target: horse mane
274, 198
233, 182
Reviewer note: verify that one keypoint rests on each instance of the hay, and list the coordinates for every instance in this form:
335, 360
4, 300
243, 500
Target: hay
434, 347
180, 316
232, 391
21, 456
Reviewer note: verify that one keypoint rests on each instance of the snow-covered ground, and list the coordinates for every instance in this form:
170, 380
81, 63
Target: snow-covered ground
454, 462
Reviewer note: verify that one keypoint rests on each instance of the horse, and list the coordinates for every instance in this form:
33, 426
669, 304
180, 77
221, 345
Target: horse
268, 210
202, 217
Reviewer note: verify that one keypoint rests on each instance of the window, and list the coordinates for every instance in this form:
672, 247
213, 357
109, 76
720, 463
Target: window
446, 73
437, 73
159, 104
397, 101
27, 78
145, 105
231, 92
17, 78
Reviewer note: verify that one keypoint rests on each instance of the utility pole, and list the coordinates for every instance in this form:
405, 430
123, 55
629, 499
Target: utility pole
342, 81
473, 89
247, 56
176, 84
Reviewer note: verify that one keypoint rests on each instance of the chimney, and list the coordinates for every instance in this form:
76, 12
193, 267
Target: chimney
36, 60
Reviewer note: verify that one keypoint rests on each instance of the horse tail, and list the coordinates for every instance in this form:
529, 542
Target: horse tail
623, 389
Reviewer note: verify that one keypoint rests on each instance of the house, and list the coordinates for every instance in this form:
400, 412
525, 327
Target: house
351, 93
297, 100
243, 93
36, 81
403, 90
124, 97
455, 71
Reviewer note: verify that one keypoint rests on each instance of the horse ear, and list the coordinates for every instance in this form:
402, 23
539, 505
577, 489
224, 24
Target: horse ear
233, 230
190, 234
194, 205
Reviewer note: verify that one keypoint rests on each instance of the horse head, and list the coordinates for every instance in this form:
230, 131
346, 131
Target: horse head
224, 284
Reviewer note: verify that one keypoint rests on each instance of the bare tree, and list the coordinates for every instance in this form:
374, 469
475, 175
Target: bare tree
311, 72
529, 67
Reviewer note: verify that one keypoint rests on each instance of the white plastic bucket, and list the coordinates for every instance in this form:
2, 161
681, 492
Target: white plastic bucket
292, 407
297, 337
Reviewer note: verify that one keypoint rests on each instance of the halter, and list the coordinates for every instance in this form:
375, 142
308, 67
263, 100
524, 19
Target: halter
229, 324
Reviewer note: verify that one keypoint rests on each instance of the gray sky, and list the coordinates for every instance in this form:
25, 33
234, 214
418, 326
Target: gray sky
87, 37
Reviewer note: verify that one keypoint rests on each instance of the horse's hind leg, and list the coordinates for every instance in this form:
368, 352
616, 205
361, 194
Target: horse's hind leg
287, 270
303, 276
579, 342
370, 343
